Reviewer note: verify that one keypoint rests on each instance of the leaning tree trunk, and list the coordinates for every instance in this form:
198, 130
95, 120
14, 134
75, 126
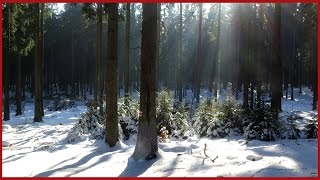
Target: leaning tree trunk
37, 67
147, 143
112, 133
18, 87
276, 62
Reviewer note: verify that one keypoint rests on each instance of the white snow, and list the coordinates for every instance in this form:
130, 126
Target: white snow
41, 149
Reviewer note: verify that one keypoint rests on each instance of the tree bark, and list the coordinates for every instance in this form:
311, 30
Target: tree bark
158, 43
18, 87
127, 70
41, 56
315, 75
112, 133
217, 56
6, 107
147, 142
199, 57
99, 80
252, 95
180, 60
293, 64
244, 57
37, 67
276, 62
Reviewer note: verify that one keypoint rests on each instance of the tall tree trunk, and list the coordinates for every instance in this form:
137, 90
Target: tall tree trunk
286, 81
112, 133
300, 75
180, 60
293, 64
52, 67
238, 54
260, 57
276, 62
158, 43
245, 52
23, 87
98, 80
37, 67
72, 65
18, 87
127, 70
217, 56
199, 57
315, 75
6, 116
252, 95
41, 57
147, 141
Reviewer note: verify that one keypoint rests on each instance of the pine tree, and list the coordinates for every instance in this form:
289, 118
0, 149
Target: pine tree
37, 66
199, 58
180, 59
147, 142
112, 134
217, 56
127, 70
276, 62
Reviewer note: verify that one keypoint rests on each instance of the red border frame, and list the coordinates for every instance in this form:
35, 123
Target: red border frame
1, 83
162, 1
318, 83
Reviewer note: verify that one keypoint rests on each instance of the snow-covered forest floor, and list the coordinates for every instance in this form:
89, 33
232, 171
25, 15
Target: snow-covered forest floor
42, 149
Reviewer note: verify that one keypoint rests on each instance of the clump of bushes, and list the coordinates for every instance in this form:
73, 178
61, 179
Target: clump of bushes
164, 109
90, 123
217, 120
61, 102
179, 123
173, 118
291, 131
264, 124
128, 112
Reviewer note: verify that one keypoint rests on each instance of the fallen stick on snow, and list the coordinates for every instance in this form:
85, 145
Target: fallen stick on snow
206, 156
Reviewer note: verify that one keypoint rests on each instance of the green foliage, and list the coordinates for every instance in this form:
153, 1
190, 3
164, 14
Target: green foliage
173, 118
128, 116
90, 123
89, 10
291, 131
164, 108
128, 110
311, 128
179, 123
215, 119
264, 125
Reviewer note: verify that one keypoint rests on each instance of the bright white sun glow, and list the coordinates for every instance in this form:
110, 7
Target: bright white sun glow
60, 6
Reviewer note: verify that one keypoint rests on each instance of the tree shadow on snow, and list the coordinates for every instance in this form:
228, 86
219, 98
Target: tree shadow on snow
80, 165
277, 170
136, 168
